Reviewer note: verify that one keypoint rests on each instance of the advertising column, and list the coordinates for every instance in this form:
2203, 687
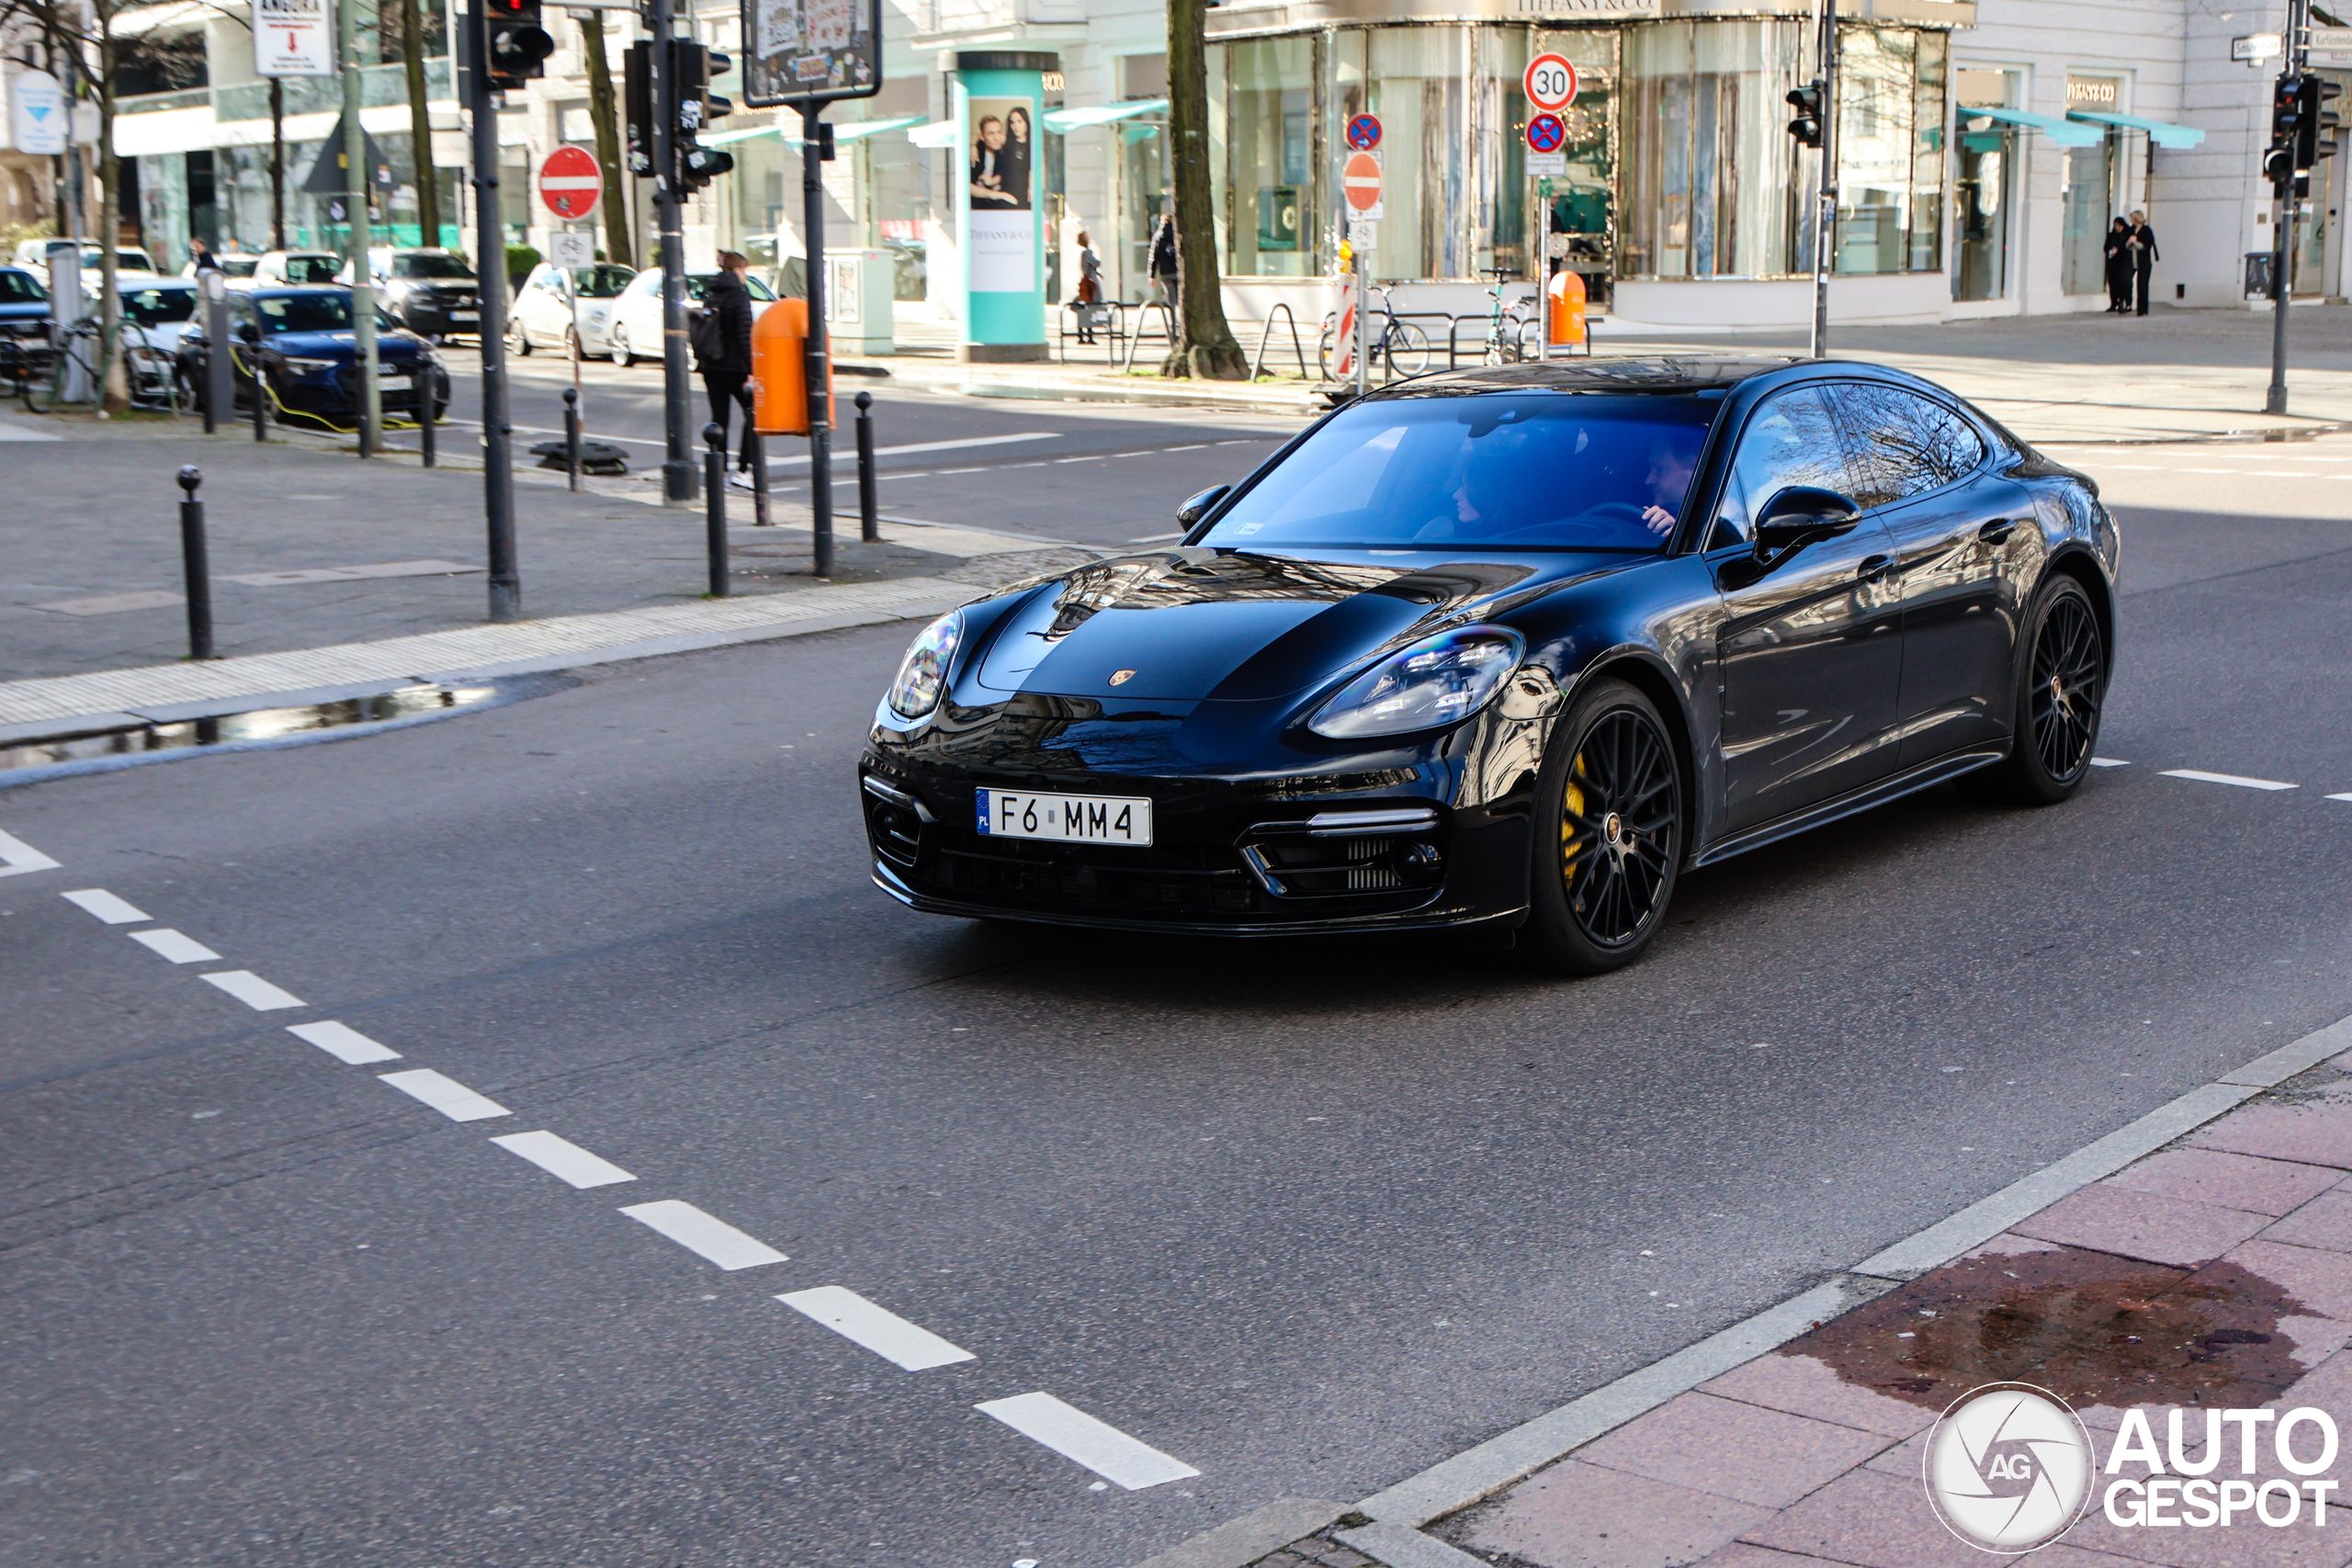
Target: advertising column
999, 108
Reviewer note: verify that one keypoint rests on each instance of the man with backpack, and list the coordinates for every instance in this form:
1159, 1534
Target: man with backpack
722, 343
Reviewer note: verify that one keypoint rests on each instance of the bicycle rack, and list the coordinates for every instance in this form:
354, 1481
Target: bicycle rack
1114, 325
1143, 314
1257, 364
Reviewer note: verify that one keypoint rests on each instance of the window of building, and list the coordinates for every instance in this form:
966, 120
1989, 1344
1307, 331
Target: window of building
1710, 186
1985, 160
1270, 150
1890, 150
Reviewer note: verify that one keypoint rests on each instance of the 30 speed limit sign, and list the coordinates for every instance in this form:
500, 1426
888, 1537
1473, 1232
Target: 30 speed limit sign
1551, 82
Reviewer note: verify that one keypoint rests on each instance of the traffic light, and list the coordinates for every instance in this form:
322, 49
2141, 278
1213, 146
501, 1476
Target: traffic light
517, 47
1806, 126
2285, 117
636, 107
693, 64
2315, 123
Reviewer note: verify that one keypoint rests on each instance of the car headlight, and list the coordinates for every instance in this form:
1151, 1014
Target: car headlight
922, 674
1438, 681
308, 367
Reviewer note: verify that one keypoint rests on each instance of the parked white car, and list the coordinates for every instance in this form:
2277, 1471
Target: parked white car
541, 316
233, 264
279, 269
157, 313
635, 332
127, 263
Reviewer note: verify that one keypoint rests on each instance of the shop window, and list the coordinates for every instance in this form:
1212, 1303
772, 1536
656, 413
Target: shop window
1415, 79
1269, 149
2089, 210
1712, 187
1890, 151
1981, 207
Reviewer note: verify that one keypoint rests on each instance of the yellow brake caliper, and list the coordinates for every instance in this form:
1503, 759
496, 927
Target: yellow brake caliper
1574, 801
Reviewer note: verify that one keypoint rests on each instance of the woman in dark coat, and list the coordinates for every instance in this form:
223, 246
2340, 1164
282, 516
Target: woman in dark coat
2119, 267
727, 371
1019, 161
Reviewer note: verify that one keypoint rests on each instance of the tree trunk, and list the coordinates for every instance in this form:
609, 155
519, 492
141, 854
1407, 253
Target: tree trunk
419, 127
114, 387
1206, 345
619, 246
277, 163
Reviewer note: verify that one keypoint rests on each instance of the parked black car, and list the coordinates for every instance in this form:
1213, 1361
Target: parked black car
432, 293
24, 326
1510, 648
300, 343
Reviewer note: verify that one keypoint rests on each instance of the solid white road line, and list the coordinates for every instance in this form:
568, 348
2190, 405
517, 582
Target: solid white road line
775, 463
714, 1240
114, 911
2109, 763
445, 1095
885, 1334
343, 1043
1073, 1434
17, 857
254, 991
561, 1156
2242, 783
174, 945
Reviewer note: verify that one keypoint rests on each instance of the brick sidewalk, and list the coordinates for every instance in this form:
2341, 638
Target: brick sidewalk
2215, 1272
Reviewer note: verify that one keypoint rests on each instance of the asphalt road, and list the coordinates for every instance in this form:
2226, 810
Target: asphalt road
1107, 475
1305, 1217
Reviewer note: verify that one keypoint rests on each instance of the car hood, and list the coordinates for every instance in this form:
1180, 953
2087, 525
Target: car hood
340, 344
1193, 624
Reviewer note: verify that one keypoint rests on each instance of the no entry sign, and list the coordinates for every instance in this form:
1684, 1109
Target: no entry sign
569, 181
1360, 177
1551, 82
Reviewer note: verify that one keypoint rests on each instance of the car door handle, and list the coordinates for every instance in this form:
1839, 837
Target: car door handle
1875, 566
1999, 529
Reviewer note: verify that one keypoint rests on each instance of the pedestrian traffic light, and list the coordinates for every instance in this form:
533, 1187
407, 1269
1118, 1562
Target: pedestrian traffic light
693, 65
517, 46
2315, 123
2286, 116
1806, 126
637, 106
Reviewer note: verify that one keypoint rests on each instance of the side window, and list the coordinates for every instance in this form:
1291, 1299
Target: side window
1914, 444
1791, 439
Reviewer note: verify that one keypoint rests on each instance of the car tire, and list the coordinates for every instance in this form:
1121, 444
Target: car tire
518, 342
1608, 837
617, 344
2060, 688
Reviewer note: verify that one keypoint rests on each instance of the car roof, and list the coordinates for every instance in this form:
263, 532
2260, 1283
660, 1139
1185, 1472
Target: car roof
1629, 373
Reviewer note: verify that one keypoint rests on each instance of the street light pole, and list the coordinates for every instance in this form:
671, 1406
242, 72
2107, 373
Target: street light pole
356, 181
489, 264
2282, 231
1825, 221
677, 464
815, 140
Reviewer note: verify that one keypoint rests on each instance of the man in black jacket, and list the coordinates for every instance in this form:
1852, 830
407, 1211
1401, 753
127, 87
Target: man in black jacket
726, 365
2143, 257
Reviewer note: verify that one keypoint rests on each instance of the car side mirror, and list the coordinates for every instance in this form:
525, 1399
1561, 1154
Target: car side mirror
1801, 514
1193, 510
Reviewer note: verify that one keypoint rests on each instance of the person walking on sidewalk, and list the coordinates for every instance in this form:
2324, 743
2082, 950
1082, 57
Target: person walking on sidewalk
2119, 267
722, 341
2144, 255
1090, 286
200, 258
1164, 266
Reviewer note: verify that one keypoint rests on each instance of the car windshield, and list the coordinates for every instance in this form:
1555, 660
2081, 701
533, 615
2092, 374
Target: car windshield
93, 258
600, 282
20, 289
322, 312
423, 263
158, 307
698, 284
1534, 470
312, 269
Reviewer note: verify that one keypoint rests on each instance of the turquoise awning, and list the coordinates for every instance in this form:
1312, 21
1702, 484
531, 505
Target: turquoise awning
1068, 120
2062, 133
851, 130
2162, 132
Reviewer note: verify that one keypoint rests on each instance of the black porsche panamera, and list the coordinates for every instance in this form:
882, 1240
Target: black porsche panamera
1510, 648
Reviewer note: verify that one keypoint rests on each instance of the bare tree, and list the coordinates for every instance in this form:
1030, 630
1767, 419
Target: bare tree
420, 124
620, 246
1205, 347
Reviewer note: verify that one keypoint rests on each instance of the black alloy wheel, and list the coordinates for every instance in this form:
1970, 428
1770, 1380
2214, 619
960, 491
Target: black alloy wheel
2062, 692
1609, 833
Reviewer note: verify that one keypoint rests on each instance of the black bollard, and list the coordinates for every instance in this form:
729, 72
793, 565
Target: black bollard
192, 562
261, 414
715, 481
870, 526
572, 434
760, 518
204, 395
427, 380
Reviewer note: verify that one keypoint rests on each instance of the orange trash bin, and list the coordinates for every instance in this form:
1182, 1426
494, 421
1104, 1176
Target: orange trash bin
1567, 308
780, 371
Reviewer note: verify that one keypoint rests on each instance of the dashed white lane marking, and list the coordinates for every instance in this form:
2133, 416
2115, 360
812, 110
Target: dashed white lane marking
17, 857
178, 946
885, 1333
445, 1095
938, 446
2243, 783
114, 911
1073, 1434
2340, 798
714, 1240
562, 1157
343, 1043
254, 991
2109, 763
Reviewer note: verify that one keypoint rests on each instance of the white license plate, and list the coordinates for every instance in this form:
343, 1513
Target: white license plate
465, 315
1070, 818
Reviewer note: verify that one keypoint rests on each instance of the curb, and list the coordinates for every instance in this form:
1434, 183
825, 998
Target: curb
1394, 1538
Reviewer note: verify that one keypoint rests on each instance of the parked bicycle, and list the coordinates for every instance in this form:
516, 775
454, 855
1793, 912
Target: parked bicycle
1400, 345
1513, 327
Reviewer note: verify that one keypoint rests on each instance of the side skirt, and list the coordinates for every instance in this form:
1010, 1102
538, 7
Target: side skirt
1927, 775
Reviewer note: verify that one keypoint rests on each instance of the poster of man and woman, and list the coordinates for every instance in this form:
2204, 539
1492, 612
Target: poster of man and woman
1003, 225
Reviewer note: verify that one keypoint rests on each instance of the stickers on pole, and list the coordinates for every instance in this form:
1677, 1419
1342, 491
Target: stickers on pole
570, 183
293, 38
1359, 178
1550, 82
